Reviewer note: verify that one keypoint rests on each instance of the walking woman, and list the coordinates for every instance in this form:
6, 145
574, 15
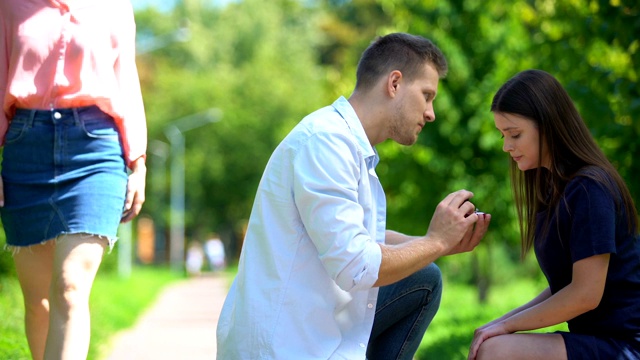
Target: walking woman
577, 214
73, 165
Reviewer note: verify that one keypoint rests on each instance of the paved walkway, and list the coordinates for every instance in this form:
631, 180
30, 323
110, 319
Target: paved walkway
180, 325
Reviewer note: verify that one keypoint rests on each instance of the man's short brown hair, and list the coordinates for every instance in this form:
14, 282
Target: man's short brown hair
398, 51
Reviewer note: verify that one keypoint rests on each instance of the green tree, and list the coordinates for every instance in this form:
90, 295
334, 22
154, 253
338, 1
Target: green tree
590, 46
256, 62
267, 64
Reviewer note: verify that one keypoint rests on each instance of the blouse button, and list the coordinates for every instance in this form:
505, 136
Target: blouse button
370, 306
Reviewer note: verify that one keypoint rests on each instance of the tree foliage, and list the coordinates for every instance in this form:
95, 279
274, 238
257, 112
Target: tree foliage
590, 46
267, 64
253, 60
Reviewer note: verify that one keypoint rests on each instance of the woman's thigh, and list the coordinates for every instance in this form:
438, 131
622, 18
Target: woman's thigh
523, 347
34, 266
76, 261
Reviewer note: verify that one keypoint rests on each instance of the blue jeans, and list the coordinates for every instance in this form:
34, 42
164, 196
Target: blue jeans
404, 311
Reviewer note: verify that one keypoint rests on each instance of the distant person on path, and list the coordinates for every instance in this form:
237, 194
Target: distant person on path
72, 121
319, 276
214, 249
194, 259
577, 214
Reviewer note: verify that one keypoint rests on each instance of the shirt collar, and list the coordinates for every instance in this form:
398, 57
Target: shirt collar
59, 4
344, 108
68, 5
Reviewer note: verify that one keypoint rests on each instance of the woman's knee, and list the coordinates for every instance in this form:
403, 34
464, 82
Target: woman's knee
492, 349
34, 266
37, 309
68, 295
78, 258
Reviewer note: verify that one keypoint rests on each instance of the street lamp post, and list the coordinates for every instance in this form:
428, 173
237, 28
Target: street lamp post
175, 134
158, 176
125, 232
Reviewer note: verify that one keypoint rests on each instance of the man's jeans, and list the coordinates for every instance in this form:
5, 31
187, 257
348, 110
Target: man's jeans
404, 311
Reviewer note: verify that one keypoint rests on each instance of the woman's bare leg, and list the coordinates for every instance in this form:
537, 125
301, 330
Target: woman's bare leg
76, 262
34, 265
523, 347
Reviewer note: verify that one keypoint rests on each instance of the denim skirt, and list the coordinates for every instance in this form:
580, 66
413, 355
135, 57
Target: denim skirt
63, 172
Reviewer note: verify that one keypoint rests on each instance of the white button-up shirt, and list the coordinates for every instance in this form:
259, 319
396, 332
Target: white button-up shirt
304, 288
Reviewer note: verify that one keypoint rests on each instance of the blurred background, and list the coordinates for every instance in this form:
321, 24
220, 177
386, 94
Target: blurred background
224, 81
265, 65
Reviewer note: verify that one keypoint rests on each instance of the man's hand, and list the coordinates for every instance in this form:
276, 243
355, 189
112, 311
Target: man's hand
456, 225
135, 190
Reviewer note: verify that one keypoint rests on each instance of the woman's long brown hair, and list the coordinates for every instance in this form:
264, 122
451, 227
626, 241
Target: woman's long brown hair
538, 96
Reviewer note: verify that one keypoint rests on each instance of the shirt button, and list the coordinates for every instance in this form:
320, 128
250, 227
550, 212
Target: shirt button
57, 115
362, 345
370, 306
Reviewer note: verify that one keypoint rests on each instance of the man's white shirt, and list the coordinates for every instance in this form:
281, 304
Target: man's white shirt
304, 288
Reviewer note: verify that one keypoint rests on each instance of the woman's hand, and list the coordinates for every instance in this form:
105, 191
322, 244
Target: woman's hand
135, 190
483, 333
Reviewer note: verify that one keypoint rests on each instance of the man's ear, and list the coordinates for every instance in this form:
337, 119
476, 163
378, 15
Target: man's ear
393, 82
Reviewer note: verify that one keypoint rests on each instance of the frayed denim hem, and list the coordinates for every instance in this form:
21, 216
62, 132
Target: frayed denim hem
14, 249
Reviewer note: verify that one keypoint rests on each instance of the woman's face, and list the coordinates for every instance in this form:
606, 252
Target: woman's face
521, 140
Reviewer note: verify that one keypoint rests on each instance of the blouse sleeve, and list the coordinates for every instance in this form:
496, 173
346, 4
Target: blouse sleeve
133, 116
4, 70
592, 214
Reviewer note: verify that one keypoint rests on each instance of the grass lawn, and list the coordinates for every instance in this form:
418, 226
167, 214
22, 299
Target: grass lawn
13, 344
116, 303
460, 313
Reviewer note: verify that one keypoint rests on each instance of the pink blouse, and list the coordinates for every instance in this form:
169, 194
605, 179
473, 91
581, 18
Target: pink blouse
58, 54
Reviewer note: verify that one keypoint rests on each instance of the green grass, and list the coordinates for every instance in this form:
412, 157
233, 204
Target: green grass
116, 303
460, 313
13, 344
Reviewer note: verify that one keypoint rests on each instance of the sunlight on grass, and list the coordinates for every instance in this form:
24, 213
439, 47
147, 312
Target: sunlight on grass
116, 303
451, 331
13, 344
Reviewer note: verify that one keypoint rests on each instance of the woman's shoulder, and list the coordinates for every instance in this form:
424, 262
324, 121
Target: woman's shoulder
593, 183
590, 177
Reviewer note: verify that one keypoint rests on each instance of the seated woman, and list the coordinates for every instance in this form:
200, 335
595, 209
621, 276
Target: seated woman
576, 212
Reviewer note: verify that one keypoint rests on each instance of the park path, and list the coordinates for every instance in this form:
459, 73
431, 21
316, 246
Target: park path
181, 324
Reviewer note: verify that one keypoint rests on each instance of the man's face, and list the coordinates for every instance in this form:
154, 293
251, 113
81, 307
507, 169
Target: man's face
414, 106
